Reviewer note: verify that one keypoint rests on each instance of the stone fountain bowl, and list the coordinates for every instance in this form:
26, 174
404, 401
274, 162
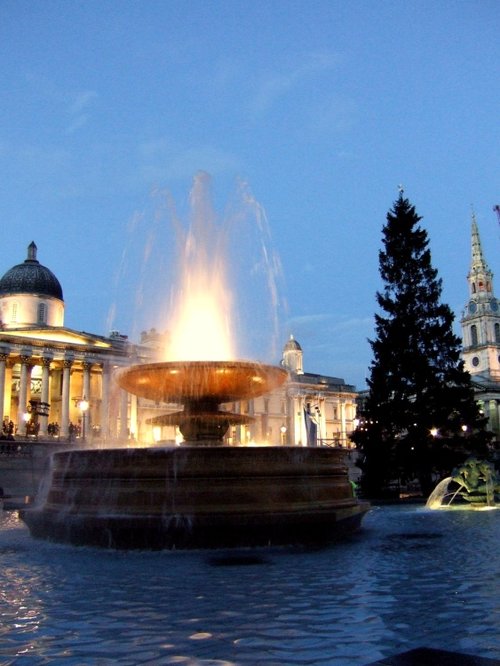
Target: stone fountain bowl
197, 497
200, 381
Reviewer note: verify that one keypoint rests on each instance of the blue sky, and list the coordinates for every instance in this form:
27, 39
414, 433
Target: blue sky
322, 107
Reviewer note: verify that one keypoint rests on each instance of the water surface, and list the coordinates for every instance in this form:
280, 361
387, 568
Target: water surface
410, 578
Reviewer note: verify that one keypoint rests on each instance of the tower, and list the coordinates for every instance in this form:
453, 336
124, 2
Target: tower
292, 356
481, 318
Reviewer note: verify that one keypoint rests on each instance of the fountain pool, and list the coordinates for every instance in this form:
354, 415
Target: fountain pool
410, 578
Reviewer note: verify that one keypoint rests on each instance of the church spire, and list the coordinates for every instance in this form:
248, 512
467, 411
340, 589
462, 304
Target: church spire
481, 318
480, 277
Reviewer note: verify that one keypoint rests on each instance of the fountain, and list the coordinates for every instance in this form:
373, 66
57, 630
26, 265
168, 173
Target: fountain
202, 493
472, 485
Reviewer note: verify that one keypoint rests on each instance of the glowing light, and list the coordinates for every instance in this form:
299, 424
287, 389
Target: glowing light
200, 331
83, 404
200, 322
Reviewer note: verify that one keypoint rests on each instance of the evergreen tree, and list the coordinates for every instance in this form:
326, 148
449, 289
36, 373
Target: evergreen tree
420, 415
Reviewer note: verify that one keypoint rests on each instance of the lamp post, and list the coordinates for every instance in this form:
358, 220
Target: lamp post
26, 419
283, 433
84, 405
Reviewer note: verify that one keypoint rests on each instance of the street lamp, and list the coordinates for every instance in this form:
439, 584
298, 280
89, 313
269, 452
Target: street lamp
283, 433
84, 405
26, 419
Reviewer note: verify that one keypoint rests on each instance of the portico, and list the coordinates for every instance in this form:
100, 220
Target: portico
46, 369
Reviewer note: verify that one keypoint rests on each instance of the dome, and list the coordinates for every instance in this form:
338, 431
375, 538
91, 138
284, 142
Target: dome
292, 345
31, 277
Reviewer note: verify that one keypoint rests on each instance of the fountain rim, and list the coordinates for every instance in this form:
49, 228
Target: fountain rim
218, 381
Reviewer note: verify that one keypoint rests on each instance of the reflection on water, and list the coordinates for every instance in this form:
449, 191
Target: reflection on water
410, 578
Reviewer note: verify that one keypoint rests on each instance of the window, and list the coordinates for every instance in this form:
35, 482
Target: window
475, 361
42, 313
497, 332
473, 335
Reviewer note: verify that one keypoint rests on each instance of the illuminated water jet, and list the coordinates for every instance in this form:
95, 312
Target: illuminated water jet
201, 494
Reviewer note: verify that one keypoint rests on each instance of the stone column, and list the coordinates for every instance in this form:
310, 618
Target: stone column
123, 415
493, 415
264, 427
342, 424
105, 388
86, 380
3, 366
7, 398
45, 396
23, 395
134, 433
65, 398
87, 416
321, 419
301, 404
290, 421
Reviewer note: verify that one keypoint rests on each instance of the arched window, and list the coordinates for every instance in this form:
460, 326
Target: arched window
473, 335
42, 313
497, 332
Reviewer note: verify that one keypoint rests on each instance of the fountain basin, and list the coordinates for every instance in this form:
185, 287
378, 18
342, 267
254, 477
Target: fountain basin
201, 381
192, 497
201, 386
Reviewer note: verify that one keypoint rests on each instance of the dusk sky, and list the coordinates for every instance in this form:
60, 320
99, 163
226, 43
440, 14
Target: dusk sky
323, 108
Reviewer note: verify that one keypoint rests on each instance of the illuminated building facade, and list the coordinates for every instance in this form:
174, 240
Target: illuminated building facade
54, 380
59, 382
481, 334
308, 410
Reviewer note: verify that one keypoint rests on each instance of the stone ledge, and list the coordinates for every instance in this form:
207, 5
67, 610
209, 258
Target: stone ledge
432, 657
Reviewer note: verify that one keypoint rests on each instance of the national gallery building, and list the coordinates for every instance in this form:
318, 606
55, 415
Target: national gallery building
58, 383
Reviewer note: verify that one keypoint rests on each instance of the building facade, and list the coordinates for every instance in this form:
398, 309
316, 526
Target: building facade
481, 334
308, 410
54, 381
58, 382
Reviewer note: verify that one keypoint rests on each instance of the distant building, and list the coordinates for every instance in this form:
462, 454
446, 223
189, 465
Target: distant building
481, 334
58, 382
308, 410
49, 372
320, 409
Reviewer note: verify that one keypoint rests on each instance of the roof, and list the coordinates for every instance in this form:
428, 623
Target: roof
323, 382
292, 345
31, 277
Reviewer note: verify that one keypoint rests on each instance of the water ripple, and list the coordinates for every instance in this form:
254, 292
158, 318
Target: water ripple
410, 578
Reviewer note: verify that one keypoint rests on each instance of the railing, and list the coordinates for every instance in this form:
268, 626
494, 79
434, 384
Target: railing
10, 448
335, 442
